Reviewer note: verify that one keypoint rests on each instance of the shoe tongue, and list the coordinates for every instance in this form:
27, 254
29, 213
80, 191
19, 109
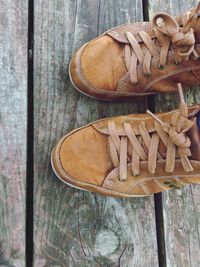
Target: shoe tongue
194, 135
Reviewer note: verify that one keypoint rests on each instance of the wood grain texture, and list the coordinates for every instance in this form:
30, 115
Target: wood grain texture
13, 116
71, 227
181, 208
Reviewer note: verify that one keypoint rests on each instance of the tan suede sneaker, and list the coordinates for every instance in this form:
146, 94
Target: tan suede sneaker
140, 58
134, 155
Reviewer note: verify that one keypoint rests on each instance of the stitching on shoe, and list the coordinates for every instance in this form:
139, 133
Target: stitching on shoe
100, 90
98, 128
123, 81
170, 74
99, 188
160, 185
129, 119
145, 189
147, 179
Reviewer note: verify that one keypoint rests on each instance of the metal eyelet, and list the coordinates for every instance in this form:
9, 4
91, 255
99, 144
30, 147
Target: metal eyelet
148, 75
177, 63
161, 67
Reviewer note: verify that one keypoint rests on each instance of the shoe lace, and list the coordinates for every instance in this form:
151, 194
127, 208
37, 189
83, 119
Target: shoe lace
145, 146
167, 32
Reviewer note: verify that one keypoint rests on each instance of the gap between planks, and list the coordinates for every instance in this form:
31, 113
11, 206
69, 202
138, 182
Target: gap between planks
30, 138
157, 197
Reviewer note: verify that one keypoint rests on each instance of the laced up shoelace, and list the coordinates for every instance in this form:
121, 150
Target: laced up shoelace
145, 146
167, 32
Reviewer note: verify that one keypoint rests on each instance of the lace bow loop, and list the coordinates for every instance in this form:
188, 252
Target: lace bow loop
179, 37
176, 131
167, 32
131, 147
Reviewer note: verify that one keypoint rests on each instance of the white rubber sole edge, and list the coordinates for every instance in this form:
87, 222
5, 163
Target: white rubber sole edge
76, 187
73, 186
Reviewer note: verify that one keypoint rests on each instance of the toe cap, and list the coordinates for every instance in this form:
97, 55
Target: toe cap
83, 156
97, 67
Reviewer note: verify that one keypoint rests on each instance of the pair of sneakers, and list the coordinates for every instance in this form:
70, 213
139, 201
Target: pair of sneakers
140, 154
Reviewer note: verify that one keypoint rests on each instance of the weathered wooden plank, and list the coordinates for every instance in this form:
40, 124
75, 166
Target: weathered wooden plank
13, 116
181, 209
74, 228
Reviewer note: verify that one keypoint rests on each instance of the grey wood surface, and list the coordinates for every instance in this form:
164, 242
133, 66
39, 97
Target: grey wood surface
74, 228
13, 117
181, 209
71, 227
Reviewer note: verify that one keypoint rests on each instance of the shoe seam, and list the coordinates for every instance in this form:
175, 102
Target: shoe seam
92, 87
80, 183
72, 179
169, 75
123, 81
144, 118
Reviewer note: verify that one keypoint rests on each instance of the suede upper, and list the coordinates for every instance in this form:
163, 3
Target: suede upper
127, 61
83, 158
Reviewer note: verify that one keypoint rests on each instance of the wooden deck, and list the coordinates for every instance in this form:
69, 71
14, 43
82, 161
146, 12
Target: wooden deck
72, 228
